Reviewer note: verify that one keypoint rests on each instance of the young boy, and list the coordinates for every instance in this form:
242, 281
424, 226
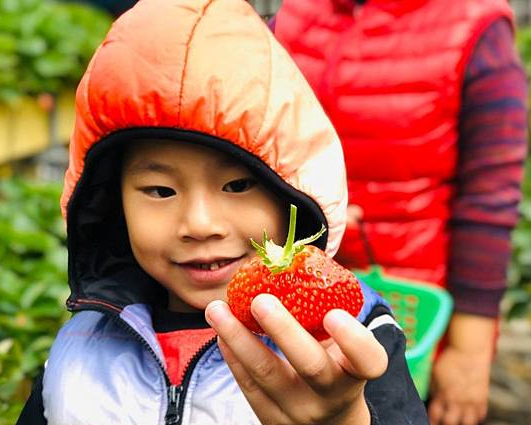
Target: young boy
194, 132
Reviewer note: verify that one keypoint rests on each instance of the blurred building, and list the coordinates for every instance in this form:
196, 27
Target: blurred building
522, 10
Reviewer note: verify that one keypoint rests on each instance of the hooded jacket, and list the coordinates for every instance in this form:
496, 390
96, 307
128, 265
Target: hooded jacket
192, 71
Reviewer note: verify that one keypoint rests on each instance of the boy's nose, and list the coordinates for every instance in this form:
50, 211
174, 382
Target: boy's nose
201, 220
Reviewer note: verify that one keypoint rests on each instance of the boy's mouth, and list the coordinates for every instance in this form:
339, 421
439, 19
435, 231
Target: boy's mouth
211, 271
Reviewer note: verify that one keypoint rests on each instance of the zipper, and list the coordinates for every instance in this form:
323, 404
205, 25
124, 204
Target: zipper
175, 399
173, 415
174, 392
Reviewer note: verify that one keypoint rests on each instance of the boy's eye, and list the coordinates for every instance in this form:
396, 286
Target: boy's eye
159, 191
240, 185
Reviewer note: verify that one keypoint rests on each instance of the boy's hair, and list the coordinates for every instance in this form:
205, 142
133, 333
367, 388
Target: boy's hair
197, 71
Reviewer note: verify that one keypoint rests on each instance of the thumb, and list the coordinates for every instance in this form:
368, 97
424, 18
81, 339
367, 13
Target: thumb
356, 350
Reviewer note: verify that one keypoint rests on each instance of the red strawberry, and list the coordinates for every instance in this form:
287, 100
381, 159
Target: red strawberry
306, 280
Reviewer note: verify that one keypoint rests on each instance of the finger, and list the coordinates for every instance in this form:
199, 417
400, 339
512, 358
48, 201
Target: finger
452, 414
272, 374
435, 411
474, 414
482, 411
360, 355
264, 406
470, 416
303, 351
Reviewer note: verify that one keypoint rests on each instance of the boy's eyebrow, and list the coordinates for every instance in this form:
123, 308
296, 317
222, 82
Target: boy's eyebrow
153, 166
229, 162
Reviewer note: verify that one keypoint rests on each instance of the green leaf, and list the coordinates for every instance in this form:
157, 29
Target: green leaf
33, 16
24, 223
28, 297
10, 285
525, 208
5, 346
53, 64
33, 46
9, 95
57, 257
52, 310
42, 343
518, 310
30, 361
8, 61
524, 258
7, 389
8, 43
9, 6
7, 78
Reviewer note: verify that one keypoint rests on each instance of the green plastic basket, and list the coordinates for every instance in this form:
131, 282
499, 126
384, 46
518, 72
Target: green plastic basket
422, 310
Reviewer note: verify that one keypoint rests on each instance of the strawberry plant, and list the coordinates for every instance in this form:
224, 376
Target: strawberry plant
33, 286
307, 281
45, 45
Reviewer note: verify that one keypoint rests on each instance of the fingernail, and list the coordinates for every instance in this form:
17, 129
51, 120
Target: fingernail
337, 318
264, 305
216, 312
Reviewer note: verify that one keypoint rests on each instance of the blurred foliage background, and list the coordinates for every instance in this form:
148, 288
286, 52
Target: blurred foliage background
44, 47
33, 286
517, 301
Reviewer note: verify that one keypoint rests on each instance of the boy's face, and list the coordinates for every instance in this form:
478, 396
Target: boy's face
190, 212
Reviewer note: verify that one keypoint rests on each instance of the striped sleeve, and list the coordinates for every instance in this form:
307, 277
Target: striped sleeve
492, 150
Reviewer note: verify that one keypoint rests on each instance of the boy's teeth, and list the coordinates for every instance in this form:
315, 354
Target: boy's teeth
213, 266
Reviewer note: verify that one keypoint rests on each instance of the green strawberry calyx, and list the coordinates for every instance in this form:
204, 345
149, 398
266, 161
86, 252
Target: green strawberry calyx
279, 258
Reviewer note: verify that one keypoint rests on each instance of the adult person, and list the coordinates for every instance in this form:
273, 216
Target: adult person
429, 100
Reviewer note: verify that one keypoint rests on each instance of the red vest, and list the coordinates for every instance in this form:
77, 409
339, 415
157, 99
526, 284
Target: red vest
389, 75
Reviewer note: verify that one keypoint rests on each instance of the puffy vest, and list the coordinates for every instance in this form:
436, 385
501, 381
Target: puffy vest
389, 75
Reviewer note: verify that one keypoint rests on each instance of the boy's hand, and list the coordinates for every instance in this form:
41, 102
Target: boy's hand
318, 382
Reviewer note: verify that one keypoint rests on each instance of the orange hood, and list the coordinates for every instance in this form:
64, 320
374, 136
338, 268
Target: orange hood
211, 67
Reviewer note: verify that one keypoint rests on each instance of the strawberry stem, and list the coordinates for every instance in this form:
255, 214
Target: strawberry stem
278, 258
291, 230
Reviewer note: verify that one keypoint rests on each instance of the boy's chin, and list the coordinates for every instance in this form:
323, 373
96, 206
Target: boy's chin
178, 305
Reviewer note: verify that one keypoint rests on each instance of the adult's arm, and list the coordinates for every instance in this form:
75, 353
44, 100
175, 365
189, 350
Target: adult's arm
492, 150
